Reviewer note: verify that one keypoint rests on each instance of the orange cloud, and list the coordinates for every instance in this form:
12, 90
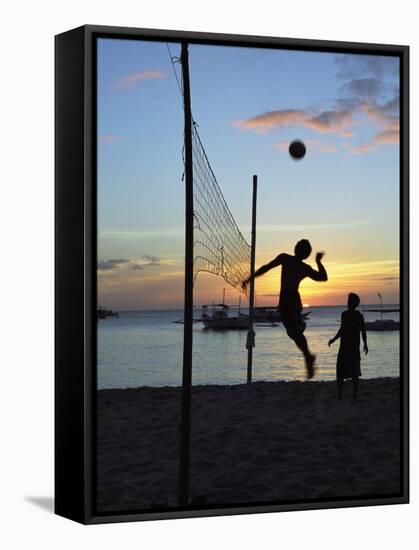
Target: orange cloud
386, 114
131, 80
361, 149
387, 117
324, 122
387, 136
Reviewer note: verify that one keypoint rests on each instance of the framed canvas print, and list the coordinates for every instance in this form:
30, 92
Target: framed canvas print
231, 274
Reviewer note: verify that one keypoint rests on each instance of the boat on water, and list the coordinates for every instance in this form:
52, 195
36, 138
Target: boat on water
219, 319
383, 325
271, 314
396, 310
103, 313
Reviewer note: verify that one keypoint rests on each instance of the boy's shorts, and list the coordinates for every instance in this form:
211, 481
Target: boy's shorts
291, 317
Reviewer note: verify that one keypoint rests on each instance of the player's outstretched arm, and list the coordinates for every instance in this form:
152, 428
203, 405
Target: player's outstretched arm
265, 268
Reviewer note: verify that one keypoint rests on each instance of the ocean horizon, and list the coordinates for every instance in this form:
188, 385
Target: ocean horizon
144, 348
235, 306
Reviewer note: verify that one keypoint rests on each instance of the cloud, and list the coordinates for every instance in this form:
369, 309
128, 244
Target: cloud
352, 65
369, 91
387, 136
330, 121
108, 138
130, 80
385, 115
382, 138
362, 87
272, 119
105, 265
360, 149
382, 114
325, 122
134, 265
154, 259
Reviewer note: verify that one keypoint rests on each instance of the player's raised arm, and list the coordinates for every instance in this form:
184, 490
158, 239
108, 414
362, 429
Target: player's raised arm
320, 274
265, 268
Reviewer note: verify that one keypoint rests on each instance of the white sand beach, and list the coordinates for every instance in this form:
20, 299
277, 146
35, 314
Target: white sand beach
266, 442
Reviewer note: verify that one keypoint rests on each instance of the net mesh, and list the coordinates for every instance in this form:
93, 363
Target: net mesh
219, 246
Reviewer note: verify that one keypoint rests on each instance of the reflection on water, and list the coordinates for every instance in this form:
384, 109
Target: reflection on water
145, 349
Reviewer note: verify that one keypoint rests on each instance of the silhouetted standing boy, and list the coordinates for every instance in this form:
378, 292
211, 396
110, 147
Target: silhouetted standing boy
294, 270
349, 358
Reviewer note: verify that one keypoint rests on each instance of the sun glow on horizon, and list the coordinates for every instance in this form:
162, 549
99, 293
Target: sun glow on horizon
161, 285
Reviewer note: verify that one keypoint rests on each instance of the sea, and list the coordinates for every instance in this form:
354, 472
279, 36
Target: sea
144, 348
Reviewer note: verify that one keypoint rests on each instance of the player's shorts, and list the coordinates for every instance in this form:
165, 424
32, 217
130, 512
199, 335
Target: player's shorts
292, 320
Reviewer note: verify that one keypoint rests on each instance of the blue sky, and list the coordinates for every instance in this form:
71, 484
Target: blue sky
249, 104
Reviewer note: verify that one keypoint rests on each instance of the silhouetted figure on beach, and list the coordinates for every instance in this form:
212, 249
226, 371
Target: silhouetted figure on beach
294, 270
349, 358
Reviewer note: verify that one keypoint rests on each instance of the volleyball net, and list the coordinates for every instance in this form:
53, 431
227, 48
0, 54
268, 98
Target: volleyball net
219, 246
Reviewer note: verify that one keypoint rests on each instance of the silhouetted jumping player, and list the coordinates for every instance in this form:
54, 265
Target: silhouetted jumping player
294, 270
349, 359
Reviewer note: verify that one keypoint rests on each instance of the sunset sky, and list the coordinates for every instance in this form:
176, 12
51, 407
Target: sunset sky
249, 105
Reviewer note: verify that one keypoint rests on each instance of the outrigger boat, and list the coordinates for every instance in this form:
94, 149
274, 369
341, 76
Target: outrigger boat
220, 320
103, 313
271, 314
217, 317
382, 324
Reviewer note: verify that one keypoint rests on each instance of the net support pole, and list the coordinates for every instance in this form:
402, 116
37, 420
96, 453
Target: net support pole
185, 425
250, 343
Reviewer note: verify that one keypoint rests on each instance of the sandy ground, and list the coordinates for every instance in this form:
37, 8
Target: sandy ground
270, 441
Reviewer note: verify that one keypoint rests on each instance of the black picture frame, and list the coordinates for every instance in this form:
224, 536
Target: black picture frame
75, 270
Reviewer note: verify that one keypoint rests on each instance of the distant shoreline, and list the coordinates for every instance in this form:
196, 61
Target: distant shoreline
386, 306
241, 384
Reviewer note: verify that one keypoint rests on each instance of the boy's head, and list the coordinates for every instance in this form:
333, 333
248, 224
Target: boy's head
302, 249
353, 300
